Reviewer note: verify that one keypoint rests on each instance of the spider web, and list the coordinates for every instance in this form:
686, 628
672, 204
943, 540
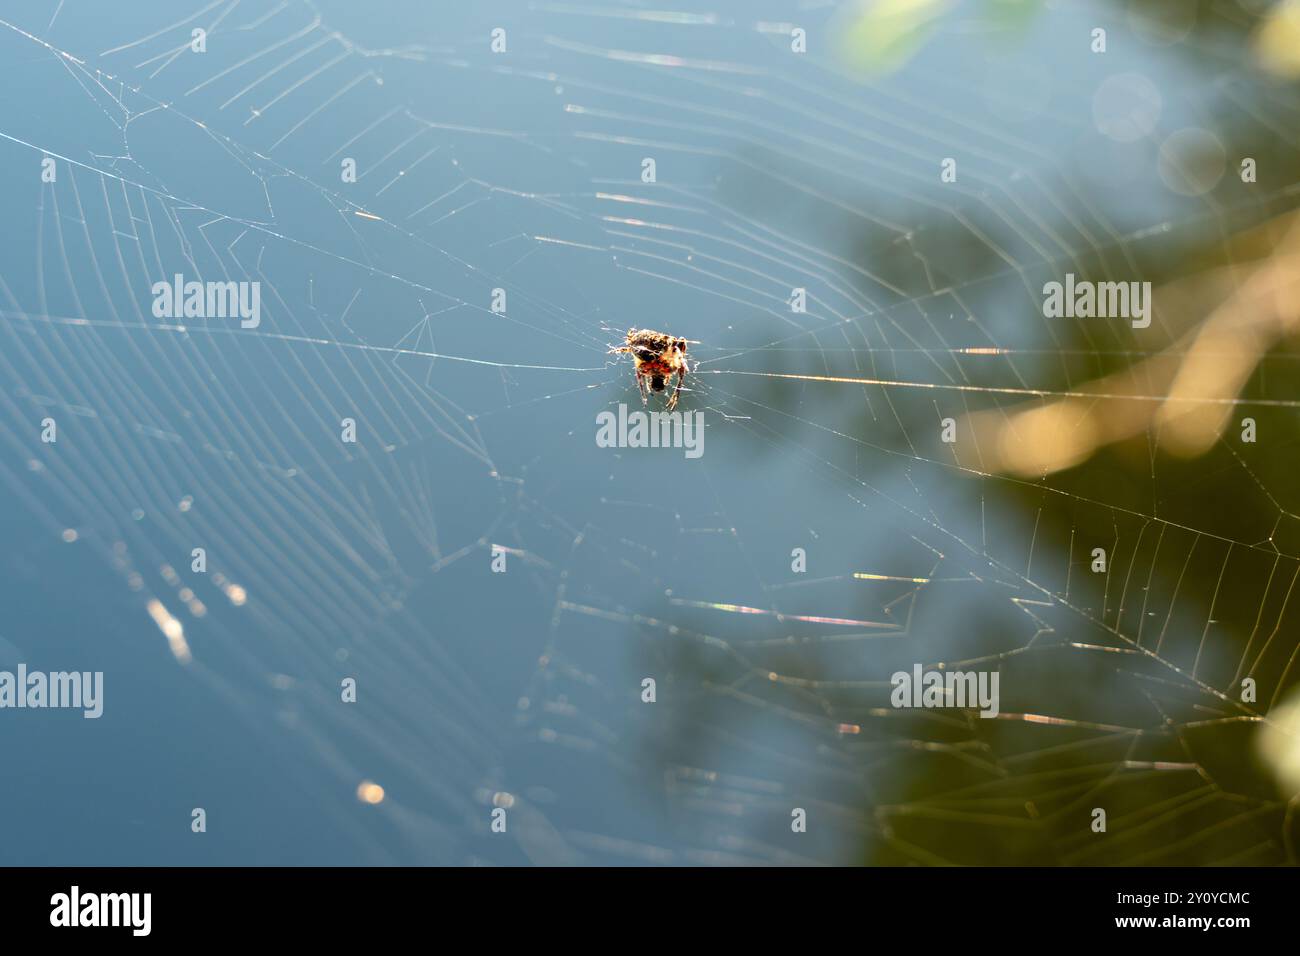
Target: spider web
774, 171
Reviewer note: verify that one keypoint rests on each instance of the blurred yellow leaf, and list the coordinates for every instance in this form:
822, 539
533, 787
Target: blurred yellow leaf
885, 34
1277, 41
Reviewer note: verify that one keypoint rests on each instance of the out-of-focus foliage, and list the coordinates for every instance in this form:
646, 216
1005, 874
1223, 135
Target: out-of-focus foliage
1277, 41
881, 36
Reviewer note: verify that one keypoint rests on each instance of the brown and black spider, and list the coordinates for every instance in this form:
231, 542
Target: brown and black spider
658, 358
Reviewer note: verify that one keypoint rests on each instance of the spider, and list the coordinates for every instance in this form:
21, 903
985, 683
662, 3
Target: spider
658, 357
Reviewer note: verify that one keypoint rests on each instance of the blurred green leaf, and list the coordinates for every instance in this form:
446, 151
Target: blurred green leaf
1012, 16
884, 34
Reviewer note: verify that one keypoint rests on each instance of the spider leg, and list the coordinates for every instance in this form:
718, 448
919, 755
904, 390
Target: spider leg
672, 400
640, 384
